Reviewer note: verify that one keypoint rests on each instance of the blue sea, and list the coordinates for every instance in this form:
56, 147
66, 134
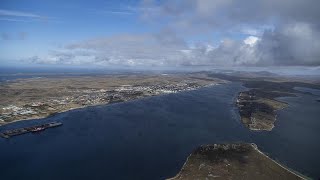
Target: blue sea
151, 138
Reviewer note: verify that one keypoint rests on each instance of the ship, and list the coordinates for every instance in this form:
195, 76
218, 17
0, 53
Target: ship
37, 129
31, 129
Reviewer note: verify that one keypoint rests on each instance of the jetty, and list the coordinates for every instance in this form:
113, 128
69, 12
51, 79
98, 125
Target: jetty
31, 129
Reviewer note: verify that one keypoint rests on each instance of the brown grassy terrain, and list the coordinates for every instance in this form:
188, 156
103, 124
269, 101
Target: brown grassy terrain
41, 97
232, 161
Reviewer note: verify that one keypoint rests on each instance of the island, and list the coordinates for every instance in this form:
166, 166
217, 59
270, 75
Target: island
232, 161
42, 96
259, 103
258, 108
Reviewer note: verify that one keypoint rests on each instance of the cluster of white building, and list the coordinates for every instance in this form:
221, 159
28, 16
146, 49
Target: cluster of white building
13, 110
94, 96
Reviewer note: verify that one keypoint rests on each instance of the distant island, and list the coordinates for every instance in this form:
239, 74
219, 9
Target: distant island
258, 105
35, 98
258, 108
232, 161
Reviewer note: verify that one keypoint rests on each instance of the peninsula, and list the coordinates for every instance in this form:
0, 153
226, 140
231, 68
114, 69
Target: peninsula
259, 103
232, 161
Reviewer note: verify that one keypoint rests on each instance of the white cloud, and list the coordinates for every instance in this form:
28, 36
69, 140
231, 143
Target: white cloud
283, 32
18, 13
20, 16
251, 40
285, 46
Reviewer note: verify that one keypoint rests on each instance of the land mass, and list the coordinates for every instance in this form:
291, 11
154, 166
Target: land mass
258, 105
41, 97
232, 161
258, 108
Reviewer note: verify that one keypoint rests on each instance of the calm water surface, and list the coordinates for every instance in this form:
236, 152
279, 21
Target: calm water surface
151, 138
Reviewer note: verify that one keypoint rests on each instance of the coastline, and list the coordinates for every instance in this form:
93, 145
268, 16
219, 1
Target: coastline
37, 118
258, 109
275, 119
283, 166
190, 166
101, 104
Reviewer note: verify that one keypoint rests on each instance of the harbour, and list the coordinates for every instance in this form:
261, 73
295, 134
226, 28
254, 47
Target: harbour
161, 132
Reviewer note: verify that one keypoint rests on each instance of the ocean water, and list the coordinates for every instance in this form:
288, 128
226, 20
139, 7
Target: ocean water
12, 73
152, 137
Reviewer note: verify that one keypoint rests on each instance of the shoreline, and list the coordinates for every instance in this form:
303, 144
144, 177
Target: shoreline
257, 111
186, 166
275, 119
102, 104
282, 166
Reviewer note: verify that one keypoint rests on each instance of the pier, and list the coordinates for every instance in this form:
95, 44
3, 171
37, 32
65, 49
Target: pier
31, 129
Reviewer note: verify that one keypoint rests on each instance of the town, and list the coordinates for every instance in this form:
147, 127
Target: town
78, 98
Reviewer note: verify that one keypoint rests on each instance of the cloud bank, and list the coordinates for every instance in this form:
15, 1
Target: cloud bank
252, 33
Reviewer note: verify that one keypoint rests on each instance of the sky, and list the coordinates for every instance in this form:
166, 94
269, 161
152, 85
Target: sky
154, 33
